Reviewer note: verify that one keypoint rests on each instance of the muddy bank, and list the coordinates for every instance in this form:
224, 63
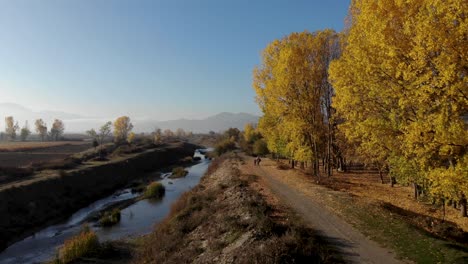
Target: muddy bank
29, 207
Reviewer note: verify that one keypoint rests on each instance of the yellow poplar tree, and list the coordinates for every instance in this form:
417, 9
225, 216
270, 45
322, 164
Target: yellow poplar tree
290, 84
122, 126
401, 85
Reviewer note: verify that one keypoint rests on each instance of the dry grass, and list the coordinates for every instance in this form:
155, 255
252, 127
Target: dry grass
367, 184
33, 145
178, 172
225, 220
81, 245
361, 199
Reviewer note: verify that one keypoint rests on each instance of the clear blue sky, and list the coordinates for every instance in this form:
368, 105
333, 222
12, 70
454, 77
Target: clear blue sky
146, 58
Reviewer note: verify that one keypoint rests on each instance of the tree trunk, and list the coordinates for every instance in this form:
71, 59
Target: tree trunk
292, 164
341, 164
329, 148
381, 175
462, 204
302, 165
416, 191
443, 209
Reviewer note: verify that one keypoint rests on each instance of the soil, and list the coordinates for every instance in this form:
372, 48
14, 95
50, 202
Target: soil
19, 154
366, 183
306, 199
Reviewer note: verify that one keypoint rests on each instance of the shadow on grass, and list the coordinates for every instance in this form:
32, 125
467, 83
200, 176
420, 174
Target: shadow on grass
338, 247
431, 226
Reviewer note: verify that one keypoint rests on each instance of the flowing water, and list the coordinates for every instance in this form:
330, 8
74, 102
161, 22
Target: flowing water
137, 219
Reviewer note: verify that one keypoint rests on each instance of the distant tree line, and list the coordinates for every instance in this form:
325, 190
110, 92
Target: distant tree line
12, 128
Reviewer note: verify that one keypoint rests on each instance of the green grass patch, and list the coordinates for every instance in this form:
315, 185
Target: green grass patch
408, 241
110, 218
155, 190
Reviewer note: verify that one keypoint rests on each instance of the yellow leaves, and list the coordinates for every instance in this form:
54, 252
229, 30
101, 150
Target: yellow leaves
402, 77
248, 132
122, 126
290, 85
131, 138
450, 182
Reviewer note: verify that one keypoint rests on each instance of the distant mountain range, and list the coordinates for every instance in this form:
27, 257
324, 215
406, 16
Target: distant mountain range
219, 122
76, 123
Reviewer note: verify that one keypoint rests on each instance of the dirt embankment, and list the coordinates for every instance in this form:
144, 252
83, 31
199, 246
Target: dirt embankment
28, 206
227, 219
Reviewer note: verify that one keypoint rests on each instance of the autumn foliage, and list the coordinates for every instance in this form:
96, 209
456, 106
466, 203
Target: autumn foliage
392, 87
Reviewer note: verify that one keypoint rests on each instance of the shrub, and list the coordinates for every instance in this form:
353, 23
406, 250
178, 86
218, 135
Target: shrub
81, 245
110, 218
155, 190
282, 166
260, 147
178, 172
224, 146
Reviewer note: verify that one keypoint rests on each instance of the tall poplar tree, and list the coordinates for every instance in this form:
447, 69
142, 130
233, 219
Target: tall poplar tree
292, 89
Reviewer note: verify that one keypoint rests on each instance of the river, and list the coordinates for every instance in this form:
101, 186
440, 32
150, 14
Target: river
137, 219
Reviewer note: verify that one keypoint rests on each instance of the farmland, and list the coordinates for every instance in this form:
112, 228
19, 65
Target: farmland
19, 154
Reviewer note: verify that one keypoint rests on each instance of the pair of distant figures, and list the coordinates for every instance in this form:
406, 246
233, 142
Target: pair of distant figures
257, 161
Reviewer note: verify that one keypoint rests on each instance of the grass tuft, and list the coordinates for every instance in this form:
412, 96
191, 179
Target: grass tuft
155, 190
178, 172
110, 218
84, 244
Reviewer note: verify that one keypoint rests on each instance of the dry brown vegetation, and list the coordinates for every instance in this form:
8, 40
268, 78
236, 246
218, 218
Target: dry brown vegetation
367, 184
50, 195
19, 154
361, 201
224, 220
35, 145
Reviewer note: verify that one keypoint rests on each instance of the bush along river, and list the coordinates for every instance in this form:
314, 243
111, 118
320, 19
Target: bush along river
138, 218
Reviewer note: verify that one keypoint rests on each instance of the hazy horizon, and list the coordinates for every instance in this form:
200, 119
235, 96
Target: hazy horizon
79, 124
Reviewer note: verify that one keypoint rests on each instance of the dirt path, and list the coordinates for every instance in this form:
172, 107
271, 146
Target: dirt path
306, 199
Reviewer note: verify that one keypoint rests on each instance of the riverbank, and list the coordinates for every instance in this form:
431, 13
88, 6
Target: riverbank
53, 195
226, 219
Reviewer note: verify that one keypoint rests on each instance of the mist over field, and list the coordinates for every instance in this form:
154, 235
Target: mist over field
79, 124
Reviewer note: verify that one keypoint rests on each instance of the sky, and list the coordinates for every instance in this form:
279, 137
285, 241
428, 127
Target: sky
145, 58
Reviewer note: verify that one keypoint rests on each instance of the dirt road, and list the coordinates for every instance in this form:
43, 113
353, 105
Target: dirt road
305, 198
